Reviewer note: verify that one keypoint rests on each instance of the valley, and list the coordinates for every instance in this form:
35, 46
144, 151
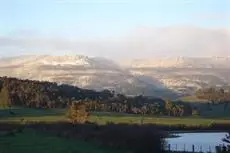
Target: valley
114, 76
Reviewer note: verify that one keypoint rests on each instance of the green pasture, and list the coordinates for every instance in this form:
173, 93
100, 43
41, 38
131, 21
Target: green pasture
53, 115
30, 141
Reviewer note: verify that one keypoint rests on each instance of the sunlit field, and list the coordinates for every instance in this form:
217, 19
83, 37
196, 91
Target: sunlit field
53, 115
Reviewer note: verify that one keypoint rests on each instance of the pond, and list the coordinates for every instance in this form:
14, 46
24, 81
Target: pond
204, 142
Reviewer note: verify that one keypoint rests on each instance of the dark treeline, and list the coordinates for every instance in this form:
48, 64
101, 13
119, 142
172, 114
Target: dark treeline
214, 95
37, 94
140, 105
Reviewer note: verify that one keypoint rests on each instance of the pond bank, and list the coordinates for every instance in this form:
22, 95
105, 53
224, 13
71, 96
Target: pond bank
198, 142
198, 131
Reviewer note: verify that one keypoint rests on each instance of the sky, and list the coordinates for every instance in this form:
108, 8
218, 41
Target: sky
114, 28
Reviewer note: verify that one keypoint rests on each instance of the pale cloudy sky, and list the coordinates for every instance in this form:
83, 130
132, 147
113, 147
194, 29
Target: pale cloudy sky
115, 29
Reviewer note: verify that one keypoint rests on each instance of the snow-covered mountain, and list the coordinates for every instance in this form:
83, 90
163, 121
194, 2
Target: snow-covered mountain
82, 71
183, 75
180, 62
162, 77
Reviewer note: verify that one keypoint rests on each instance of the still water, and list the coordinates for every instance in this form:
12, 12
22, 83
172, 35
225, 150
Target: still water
202, 141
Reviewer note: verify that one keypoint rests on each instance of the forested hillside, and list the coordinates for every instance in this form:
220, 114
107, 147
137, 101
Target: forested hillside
36, 94
214, 95
45, 94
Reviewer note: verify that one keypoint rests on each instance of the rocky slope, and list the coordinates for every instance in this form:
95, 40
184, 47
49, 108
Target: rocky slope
165, 77
183, 75
82, 71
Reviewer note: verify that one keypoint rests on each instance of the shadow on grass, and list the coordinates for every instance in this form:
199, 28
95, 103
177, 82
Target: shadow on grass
30, 112
134, 138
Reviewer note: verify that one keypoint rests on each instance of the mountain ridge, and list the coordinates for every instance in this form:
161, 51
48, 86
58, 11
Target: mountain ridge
81, 71
179, 62
160, 77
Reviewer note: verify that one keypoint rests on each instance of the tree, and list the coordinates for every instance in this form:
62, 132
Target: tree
209, 94
77, 113
4, 98
168, 107
181, 110
213, 95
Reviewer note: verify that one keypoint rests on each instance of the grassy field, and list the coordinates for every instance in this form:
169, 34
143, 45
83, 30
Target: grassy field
54, 115
28, 114
31, 141
158, 120
36, 142
192, 99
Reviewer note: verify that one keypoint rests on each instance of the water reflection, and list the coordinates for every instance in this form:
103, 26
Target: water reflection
205, 142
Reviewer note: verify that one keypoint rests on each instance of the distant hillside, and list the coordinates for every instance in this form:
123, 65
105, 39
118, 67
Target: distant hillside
160, 77
38, 94
81, 71
182, 75
41, 94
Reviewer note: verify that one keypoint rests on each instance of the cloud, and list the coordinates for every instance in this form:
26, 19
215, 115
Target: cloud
214, 16
182, 41
140, 43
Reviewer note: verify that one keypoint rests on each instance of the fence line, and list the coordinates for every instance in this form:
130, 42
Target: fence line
197, 148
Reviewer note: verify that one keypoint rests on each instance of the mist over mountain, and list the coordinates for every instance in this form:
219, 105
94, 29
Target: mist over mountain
165, 62
142, 42
176, 41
